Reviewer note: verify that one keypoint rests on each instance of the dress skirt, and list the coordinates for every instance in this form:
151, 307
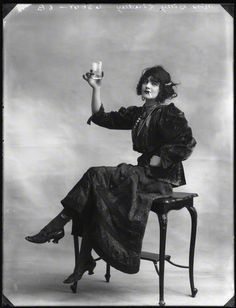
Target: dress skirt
114, 203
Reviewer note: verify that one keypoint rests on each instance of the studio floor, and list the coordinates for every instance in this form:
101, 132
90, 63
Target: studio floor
33, 275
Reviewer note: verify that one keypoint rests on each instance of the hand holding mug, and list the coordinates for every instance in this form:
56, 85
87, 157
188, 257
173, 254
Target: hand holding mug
94, 77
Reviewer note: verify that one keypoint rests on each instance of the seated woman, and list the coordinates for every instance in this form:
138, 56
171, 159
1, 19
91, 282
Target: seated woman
110, 205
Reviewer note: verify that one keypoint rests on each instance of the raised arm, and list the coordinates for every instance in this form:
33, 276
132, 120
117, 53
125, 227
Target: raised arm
96, 90
122, 119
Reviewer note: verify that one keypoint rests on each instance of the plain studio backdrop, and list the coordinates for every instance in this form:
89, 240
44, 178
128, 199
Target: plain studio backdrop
48, 145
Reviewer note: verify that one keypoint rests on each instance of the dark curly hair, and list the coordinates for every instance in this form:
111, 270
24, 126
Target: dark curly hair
161, 76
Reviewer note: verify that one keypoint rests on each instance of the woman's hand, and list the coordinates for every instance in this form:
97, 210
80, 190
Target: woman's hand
155, 161
92, 81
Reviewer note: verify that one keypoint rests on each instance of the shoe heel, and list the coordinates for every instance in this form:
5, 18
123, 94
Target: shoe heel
58, 236
90, 271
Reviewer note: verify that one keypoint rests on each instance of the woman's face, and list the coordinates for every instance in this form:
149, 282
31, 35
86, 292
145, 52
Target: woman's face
150, 88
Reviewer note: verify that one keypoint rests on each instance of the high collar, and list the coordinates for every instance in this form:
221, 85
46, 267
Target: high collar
150, 106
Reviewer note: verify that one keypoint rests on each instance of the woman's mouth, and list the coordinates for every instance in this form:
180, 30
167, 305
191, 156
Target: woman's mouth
147, 92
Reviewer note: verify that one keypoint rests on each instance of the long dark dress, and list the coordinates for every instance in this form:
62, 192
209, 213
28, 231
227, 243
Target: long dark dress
114, 202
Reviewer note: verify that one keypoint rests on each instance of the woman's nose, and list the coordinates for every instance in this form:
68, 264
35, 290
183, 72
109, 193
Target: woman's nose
148, 84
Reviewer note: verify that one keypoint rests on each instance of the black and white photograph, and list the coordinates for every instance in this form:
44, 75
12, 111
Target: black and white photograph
118, 155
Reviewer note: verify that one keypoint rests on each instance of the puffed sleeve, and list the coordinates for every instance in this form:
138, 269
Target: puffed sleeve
124, 118
179, 142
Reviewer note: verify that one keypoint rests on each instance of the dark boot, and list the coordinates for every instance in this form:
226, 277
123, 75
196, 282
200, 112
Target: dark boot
54, 230
85, 261
84, 266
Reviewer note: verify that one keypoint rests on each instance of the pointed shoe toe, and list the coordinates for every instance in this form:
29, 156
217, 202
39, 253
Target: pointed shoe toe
76, 276
70, 279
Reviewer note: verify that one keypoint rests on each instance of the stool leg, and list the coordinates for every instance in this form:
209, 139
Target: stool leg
76, 248
193, 214
107, 275
163, 227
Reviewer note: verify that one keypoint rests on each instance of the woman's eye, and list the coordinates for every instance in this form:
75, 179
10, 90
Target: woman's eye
154, 83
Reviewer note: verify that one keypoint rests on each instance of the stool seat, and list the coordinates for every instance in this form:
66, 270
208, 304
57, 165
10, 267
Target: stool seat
176, 201
176, 196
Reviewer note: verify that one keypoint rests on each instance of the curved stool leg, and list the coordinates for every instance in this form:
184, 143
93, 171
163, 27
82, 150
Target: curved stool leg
163, 228
193, 214
107, 275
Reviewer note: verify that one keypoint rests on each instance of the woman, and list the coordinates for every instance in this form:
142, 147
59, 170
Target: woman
110, 205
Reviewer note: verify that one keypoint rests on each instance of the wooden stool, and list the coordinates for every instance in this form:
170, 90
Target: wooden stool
162, 206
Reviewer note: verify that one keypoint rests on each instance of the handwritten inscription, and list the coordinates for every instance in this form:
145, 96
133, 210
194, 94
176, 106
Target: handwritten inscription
50, 7
164, 8
123, 7
180, 7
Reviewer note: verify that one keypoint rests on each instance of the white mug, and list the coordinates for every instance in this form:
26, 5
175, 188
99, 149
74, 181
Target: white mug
97, 69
